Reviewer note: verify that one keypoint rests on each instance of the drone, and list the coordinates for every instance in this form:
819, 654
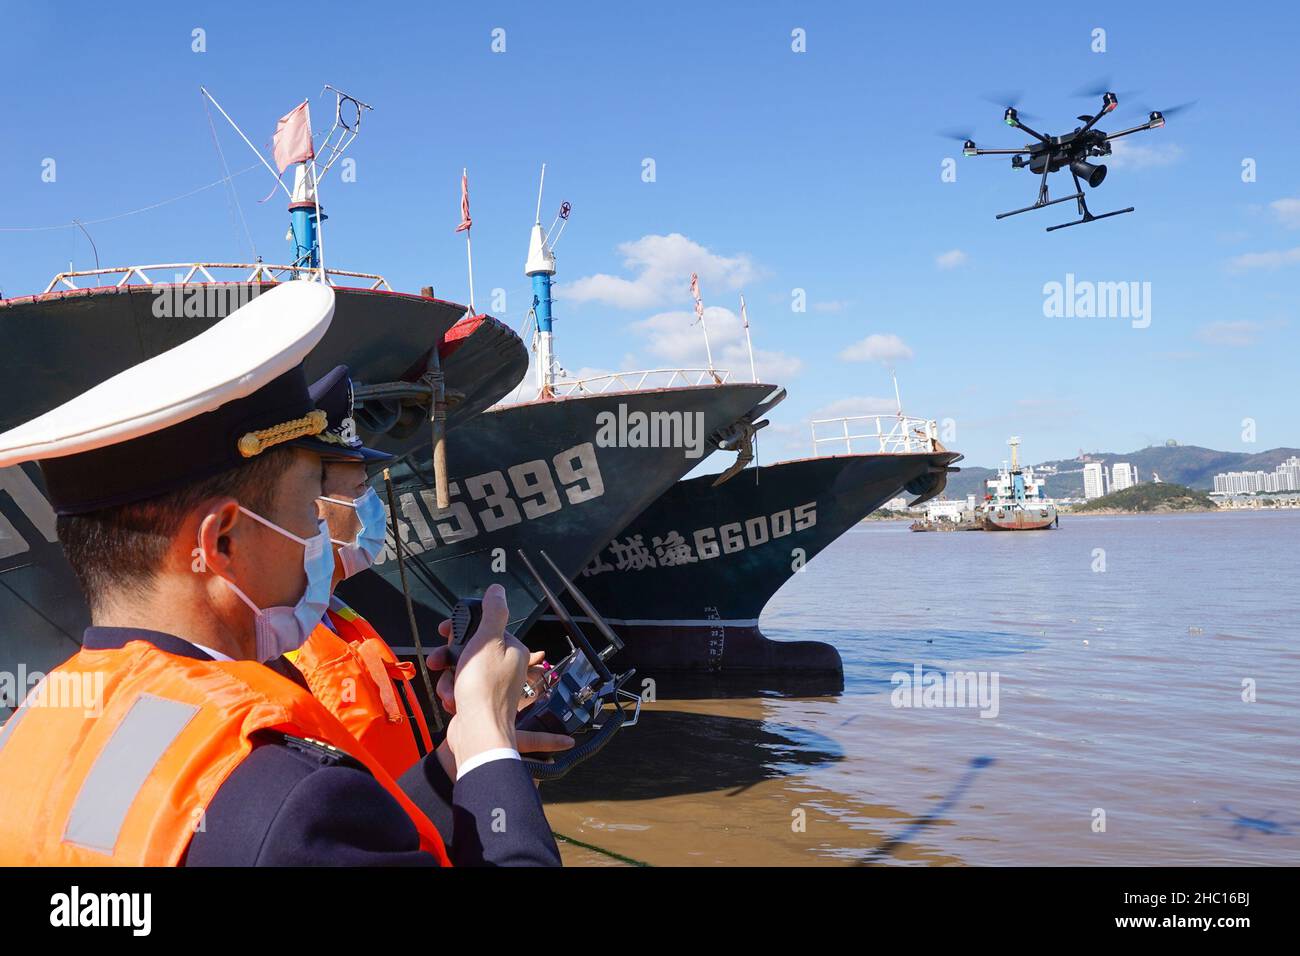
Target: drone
1072, 151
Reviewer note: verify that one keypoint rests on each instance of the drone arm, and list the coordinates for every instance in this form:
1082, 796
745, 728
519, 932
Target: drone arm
1021, 126
1108, 103
1135, 129
980, 151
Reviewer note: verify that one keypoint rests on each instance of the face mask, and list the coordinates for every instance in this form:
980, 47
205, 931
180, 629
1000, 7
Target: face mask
284, 629
360, 554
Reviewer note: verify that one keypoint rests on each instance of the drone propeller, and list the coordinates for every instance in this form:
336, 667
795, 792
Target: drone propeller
1173, 110
1100, 88
960, 135
1010, 101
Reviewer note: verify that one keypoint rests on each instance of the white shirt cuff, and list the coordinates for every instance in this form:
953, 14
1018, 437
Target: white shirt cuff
487, 756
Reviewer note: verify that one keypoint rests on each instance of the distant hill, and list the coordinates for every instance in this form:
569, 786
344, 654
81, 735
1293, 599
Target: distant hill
1188, 465
1165, 496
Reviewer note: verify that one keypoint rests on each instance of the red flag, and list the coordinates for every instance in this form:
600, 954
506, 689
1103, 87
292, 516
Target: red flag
465, 220
695, 291
292, 142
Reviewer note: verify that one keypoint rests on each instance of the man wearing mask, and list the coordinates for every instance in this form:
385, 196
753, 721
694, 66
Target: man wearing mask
347, 665
193, 527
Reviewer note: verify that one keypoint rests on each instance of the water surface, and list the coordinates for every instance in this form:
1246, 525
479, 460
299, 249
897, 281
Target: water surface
1121, 644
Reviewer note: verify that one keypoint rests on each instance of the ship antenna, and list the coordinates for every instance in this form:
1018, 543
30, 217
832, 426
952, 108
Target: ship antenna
749, 343
540, 267
699, 317
347, 124
540, 185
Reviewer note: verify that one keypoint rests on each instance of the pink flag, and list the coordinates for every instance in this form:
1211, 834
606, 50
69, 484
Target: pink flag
695, 291
292, 140
465, 221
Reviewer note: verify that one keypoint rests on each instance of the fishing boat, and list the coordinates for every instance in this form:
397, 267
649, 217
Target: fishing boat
558, 473
687, 581
86, 326
1017, 499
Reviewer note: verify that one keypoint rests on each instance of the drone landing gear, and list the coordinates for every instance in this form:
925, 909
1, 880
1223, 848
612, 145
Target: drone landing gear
1078, 197
1089, 217
1042, 201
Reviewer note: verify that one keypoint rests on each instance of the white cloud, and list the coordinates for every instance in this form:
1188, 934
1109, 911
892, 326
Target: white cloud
1129, 154
1287, 211
1265, 260
678, 338
773, 367
661, 268
1233, 334
950, 259
877, 348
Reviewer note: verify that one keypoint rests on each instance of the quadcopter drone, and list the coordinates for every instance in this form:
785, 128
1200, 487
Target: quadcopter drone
1073, 150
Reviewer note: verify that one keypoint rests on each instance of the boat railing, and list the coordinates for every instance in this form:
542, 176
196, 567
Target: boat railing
185, 273
883, 434
637, 381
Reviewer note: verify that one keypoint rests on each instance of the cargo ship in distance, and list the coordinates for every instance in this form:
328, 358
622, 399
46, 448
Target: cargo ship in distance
1017, 499
686, 582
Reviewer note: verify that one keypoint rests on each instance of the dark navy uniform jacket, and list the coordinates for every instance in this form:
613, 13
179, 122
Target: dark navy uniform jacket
290, 803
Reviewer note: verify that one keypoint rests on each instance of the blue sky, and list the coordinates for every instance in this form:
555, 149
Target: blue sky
774, 171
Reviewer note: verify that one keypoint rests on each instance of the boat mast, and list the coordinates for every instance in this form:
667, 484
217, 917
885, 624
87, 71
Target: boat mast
540, 266
305, 217
1017, 478
305, 213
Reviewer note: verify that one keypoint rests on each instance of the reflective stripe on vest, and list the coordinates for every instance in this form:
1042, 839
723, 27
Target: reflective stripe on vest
353, 672
138, 743
127, 782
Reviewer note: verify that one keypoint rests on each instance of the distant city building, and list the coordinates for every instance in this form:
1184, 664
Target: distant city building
1122, 475
1285, 477
1094, 480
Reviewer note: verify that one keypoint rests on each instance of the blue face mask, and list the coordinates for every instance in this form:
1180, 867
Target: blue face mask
361, 553
284, 629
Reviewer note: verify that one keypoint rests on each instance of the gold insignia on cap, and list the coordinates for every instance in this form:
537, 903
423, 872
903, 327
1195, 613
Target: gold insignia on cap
254, 443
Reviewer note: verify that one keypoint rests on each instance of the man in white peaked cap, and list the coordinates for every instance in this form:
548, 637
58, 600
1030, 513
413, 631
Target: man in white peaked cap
186, 492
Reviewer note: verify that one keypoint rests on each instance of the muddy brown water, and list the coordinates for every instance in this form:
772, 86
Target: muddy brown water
1147, 710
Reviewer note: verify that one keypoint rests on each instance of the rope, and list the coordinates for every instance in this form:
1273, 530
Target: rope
226, 169
133, 212
596, 849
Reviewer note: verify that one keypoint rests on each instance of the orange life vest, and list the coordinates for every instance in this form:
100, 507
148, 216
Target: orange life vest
355, 675
116, 754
